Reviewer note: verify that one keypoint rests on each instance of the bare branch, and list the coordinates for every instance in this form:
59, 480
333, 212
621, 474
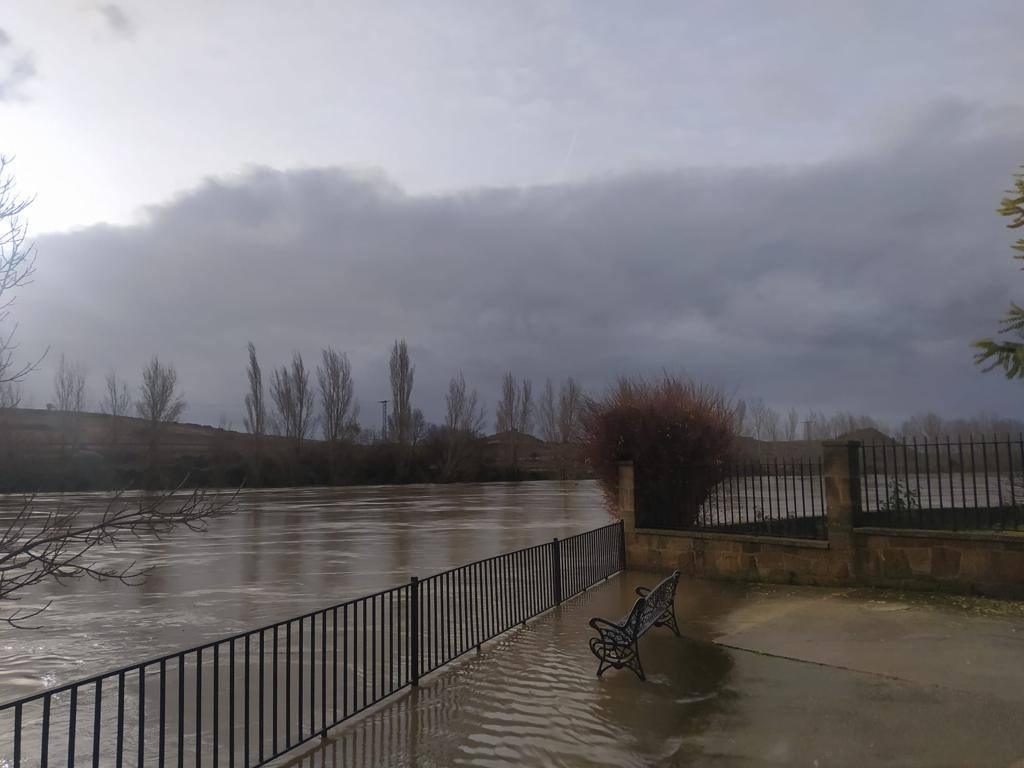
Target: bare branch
62, 545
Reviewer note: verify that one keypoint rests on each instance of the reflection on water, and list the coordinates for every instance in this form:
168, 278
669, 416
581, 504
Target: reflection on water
533, 699
285, 552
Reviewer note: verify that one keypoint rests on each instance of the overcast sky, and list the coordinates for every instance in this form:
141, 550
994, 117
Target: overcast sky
793, 200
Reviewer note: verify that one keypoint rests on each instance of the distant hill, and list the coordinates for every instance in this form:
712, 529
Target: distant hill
52, 450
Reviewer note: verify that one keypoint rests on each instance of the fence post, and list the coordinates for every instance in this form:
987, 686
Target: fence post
414, 630
556, 572
841, 462
626, 505
622, 545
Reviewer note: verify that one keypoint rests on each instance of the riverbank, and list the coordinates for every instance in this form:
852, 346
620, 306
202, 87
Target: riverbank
46, 450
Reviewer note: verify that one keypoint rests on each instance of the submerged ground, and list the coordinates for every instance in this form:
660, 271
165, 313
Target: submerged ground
765, 675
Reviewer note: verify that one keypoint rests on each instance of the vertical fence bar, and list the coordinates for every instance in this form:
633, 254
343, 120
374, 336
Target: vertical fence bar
246, 702
344, 660
142, 716
231, 703
72, 722
556, 572
17, 736
199, 709
334, 675
414, 630
323, 674
44, 741
119, 755
216, 705
96, 724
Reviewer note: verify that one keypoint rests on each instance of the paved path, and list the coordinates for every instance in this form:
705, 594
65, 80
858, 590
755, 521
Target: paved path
767, 676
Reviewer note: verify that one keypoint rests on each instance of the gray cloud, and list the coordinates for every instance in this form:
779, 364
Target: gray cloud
16, 69
854, 284
117, 19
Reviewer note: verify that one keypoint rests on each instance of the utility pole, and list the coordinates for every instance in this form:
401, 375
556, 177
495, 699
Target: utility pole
384, 420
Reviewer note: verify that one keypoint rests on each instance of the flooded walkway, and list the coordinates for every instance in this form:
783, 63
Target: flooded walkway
766, 675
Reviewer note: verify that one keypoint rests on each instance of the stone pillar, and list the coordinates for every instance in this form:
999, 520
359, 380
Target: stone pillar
627, 497
842, 500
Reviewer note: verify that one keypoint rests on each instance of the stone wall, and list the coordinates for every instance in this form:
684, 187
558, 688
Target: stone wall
979, 563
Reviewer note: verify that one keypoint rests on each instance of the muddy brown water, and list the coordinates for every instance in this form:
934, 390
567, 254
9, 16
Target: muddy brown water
283, 553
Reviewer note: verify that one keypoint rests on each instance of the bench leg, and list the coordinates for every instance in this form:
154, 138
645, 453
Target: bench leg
634, 662
668, 619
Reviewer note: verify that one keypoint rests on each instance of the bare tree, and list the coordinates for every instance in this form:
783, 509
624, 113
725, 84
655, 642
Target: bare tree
401, 375
17, 264
418, 427
116, 403
10, 395
514, 417
159, 401
508, 404
61, 544
116, 400
524, 422
293, 399
765, 420
739, 417
571, 402
792, 424
69, 386
339, 408
69, 399
547, 411
560, 421
255, 408
464, 419
159, 404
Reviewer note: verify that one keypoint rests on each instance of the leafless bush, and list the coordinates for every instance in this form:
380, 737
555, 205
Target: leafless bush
664, 427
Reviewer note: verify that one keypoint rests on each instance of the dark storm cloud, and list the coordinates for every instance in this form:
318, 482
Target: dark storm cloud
854, 284
117, 19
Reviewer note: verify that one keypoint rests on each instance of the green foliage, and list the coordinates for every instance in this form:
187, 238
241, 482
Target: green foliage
1008, 355
900, 498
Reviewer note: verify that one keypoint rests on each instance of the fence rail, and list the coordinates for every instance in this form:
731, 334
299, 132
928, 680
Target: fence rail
972, 484
247, 699
783, 498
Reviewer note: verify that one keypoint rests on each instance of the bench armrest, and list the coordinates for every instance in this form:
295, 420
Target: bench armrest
602, 624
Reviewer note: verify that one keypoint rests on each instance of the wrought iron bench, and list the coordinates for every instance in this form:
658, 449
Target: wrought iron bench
616, 646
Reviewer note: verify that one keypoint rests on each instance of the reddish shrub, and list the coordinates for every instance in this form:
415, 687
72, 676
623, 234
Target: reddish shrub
679, 435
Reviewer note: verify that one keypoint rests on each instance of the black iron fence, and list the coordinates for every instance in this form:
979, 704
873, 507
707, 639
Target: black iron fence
961, 484
767, 498
247, 699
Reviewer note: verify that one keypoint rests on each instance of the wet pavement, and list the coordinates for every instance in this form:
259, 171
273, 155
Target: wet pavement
766, 675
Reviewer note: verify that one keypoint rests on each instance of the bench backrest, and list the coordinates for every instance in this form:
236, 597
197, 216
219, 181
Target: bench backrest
651, 606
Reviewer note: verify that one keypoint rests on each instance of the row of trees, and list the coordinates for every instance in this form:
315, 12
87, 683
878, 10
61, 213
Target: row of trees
299, 405
754, 418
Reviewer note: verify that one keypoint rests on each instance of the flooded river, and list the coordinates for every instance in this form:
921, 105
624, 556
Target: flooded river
284, 552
